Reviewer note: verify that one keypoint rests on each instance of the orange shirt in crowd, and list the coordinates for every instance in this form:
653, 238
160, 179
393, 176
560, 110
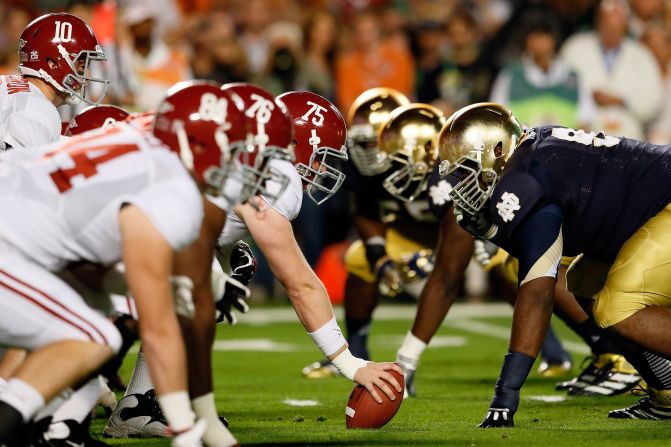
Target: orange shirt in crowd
356, 72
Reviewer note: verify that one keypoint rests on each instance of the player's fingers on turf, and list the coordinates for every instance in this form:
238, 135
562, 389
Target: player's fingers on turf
383, 386
373, 392
392, 380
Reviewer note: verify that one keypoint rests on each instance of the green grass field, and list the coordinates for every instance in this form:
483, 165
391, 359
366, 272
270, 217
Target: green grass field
454, 385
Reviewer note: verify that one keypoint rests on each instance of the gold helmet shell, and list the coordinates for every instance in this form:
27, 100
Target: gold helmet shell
368, 112
409, 140
476, 143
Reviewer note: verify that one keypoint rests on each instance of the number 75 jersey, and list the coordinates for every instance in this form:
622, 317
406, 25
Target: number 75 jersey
606, 187
60, 203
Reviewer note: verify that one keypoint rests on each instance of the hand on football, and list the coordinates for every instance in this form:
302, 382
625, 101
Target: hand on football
374, 377
498, 418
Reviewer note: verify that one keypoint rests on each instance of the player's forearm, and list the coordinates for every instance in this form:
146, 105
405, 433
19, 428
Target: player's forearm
531, 316
311, 303
199, 335
368, 227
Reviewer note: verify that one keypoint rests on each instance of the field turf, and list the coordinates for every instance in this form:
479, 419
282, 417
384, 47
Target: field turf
454, 385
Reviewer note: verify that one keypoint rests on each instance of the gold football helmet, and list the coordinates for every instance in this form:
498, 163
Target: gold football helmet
368, 112
408, 140
475, 145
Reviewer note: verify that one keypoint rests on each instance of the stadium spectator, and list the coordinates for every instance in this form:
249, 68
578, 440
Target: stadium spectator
13, 21
431, 61
620, 72
255, 19
643, 13
153, 66
540, 88
320, 39
468, 76
216, 52
657, 38
371, 62
281, 71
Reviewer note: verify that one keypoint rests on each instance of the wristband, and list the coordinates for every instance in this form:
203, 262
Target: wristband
375, 250
347, 364
176, 408
515, 369
329, 338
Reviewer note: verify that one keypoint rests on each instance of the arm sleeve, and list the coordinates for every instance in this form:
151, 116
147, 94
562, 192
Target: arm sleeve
538, 244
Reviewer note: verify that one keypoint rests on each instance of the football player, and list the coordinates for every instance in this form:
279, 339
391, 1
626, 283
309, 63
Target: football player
109, 195
55, 56
551, 191
393, 213
318, 137
101, 116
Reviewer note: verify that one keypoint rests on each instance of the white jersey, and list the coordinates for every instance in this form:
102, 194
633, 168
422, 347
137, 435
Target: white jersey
27, 117
288, 204
60, 203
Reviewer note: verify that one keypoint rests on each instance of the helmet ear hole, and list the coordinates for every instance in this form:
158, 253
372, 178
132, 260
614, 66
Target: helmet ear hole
498, 149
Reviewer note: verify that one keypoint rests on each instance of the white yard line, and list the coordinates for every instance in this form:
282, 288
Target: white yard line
503, 332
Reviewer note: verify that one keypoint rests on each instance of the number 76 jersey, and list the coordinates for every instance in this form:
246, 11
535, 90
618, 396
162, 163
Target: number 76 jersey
606, 187
60, 203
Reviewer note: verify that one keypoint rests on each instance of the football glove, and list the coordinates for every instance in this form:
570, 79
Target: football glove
498, 418
416, 265
243, 267
235, 295
388, 277
182, 296
479, 225
483, 252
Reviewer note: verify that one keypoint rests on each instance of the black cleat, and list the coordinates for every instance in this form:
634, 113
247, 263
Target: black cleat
498, 418
643, 409
137, 416
616, 376
69, 433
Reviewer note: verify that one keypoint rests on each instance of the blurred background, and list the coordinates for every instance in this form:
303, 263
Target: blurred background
580, 63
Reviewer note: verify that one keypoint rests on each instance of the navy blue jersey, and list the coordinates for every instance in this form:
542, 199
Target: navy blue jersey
596, 190
414, 219
439, 192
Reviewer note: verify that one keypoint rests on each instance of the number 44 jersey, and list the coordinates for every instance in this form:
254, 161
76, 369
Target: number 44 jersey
60, 203
604, 187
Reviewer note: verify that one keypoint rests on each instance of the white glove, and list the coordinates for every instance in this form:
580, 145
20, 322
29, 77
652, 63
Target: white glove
182, 296
483, 252
192, 437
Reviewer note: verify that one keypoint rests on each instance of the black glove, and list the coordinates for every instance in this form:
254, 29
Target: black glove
243, 267
243, 263
235, 296
480, 225
498, 418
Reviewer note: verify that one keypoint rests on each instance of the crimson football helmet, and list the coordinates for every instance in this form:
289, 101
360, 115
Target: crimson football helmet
59, 49
319, 141
205, 127
269, 136
95, 117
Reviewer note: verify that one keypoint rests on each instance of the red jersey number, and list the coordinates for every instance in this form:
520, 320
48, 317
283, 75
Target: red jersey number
86, 161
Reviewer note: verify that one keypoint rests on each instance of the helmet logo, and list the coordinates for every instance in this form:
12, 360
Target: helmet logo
109, 122
34, 55
507, 206
63, 32
316, 109
314, 139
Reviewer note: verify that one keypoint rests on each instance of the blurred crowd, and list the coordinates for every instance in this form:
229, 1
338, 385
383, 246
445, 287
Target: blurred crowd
581, 63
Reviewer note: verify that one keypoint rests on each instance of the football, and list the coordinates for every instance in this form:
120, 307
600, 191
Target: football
363, 412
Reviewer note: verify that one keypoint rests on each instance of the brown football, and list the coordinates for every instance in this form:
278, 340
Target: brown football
363, 412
